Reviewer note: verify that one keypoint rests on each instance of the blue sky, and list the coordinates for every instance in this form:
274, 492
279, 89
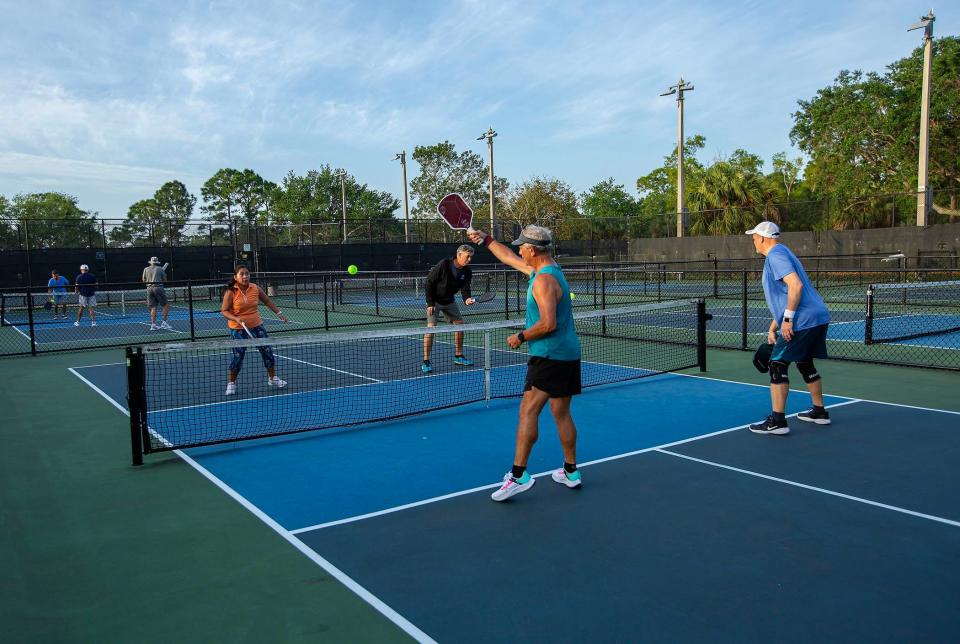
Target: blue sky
109, 100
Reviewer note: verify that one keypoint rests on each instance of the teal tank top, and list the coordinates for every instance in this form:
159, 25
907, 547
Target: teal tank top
562, 343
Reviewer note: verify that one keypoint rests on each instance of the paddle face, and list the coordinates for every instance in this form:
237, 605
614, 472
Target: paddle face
485, 297
761, 358
455, 211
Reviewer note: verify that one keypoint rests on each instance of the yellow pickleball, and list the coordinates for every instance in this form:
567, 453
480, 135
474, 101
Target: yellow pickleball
352, 269
573, 295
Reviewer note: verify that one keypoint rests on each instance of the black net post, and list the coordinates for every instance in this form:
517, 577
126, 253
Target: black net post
744, 319
326, 301
33, 335
868, 318
716, 285
702, 317
193, 334
376, 294
136, 402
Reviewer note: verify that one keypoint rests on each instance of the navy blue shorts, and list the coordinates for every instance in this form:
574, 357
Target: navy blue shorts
806, 345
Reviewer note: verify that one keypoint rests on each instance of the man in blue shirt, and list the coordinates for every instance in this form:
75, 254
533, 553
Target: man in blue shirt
57, 291
553, 369
802, 318
86, 288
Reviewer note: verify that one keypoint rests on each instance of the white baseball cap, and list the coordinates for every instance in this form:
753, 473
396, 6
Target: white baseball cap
765, 229
84, 267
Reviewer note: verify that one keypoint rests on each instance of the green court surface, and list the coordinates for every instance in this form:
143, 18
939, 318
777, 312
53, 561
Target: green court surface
95, 550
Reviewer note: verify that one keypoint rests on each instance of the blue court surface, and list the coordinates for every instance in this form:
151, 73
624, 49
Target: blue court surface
687, 528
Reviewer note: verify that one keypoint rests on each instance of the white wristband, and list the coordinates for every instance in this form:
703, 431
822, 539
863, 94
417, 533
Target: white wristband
789, 314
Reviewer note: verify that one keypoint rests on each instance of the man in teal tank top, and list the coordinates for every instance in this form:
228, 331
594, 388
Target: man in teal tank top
553, 369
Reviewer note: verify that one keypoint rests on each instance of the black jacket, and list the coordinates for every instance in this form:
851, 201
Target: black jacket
442, 285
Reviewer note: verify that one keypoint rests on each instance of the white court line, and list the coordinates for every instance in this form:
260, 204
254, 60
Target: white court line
320, 366
17, 329
405, 625
814, 489
615, 457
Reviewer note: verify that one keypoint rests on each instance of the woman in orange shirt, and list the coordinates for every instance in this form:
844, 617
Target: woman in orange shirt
240, 302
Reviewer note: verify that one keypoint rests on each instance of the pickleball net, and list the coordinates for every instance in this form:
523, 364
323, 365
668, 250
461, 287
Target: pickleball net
177, 392
911, 310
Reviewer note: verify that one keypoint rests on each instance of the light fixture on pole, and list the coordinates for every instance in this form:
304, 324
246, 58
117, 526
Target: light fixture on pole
488, 135
678, 89
923, 190
343, 201
402, 158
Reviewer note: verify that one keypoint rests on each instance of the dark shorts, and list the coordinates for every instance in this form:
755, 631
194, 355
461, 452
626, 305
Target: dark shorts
558, 378
156, 296
450, 311
805, 346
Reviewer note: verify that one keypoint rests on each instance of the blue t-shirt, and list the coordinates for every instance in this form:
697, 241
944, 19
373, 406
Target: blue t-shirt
58, 285
811, 311
86, 284
562, 343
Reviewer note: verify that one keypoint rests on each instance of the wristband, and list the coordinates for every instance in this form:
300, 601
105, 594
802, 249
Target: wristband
488, 240
521, 337
789, 315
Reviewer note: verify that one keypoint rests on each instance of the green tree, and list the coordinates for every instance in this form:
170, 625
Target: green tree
729, 196
219, 194
862, 135
9, 232
443, 170
658, 189
541, 200
175, 207
608, 207
55, 220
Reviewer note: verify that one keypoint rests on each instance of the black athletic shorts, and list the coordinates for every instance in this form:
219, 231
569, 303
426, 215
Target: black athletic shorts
559, 378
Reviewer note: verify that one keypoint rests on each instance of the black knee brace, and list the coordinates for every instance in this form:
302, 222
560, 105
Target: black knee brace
778, 372
808, 371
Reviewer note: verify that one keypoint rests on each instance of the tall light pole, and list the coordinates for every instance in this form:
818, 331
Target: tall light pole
343, 201
678, 89
402, 158
488, 135
923, 191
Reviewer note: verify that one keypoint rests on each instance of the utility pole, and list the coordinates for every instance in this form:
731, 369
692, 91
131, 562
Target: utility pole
678, 89
488, 135
343, 201
923, 191
402, 158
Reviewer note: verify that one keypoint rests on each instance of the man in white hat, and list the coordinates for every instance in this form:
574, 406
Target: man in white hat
86, 289
154, 276
801, 317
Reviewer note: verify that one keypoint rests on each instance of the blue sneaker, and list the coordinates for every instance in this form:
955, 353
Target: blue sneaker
426, 367
463, 362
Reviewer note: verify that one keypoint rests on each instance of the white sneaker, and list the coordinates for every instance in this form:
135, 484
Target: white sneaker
164, 325
94, 323
276, 382
231, 389
154, 327
77, 323
513, 486
570, 480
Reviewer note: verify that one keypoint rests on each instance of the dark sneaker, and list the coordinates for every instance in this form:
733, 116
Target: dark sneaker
463, 362
814, 416
770, 426
426, 367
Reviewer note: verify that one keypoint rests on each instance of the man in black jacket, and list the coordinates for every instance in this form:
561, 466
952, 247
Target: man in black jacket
444, 281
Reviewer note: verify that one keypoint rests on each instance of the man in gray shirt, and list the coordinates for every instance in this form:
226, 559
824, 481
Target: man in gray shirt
154, 276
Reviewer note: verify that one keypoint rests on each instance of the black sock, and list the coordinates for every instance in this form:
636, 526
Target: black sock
569, 468
458, 355
426, 362
517, 471
780, 417
818, 409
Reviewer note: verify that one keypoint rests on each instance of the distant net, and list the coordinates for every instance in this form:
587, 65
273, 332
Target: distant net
16, 309
898, 312
177, 392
